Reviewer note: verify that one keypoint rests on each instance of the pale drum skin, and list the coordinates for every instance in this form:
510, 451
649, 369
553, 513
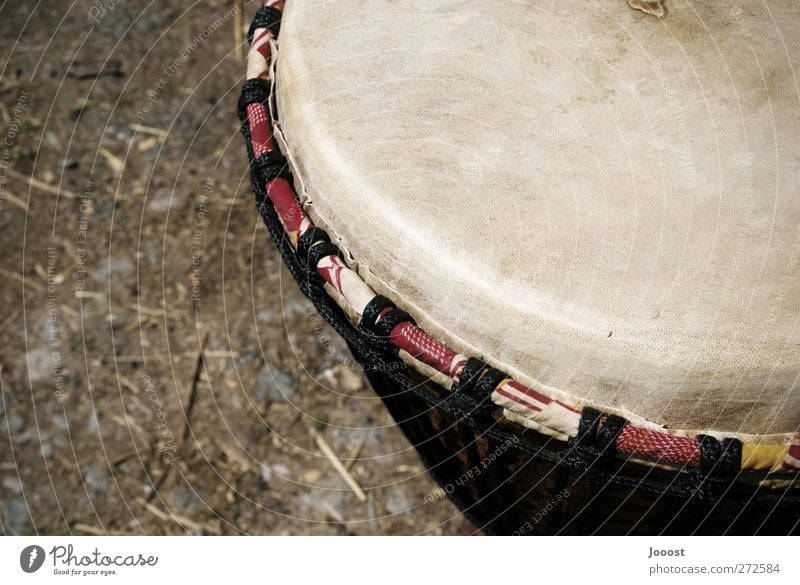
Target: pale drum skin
602, 203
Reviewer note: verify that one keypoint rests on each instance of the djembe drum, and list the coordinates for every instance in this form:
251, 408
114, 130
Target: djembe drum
563, 240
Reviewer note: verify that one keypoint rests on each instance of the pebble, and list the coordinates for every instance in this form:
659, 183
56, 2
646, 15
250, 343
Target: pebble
346, 436
49, 329
398, 502
12, 423
315, 498
274, 385
266, 473
293, 307
267, 315
13, 484
312, 476
348, 380
32, 433
183, 499
153, 253
160, 204
96, 480
92, 424
16, 516
5, 401
120, 266
60, 421
281, 469
40, 363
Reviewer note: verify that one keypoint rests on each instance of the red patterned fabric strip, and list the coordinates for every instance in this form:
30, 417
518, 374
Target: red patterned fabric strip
792, 460
661, 446
423, 347
260, 124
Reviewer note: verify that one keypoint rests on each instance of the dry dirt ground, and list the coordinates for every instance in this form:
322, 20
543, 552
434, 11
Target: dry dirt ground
130, 241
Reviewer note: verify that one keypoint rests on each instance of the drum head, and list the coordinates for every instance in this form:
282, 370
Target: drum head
602, 203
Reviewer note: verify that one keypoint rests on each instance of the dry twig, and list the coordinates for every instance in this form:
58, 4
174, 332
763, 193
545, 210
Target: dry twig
41, 185
337, 464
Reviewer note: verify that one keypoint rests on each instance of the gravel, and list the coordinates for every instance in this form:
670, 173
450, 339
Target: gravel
13, 484
274, 385
12, 424
5, 401
16, 516
40, 363
398, 501
115, 267
96, 480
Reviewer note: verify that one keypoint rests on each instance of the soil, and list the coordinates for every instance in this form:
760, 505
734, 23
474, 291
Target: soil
131, 244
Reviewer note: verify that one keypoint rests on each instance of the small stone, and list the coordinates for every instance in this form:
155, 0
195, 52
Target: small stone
398, 502
96, 480
266, 473
312, 476
281, 469
153, 253
60, 421
160, 204
12, 423
348, 380
16, 516
294, 307
5, 401
40, 363
183, 499
13, 484
92, 425
350, 437
274, 385
267, 316
49, 329
120, 266
135, 525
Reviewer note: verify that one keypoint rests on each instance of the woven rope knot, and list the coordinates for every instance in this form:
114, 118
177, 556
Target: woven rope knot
472, 394
267, 17
271, 165
720, 464
380, 317
596, 441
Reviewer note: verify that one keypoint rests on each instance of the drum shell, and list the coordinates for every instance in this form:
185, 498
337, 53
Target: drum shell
504, 488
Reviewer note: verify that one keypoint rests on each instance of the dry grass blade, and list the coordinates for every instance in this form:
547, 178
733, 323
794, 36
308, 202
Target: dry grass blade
26, 281
148, 130
13, 199
355, 452
185, 522
99, 531
338, 465
41, 185
238, 26
113, 160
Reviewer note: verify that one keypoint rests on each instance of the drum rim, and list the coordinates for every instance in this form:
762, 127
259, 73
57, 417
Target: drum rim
768, 454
